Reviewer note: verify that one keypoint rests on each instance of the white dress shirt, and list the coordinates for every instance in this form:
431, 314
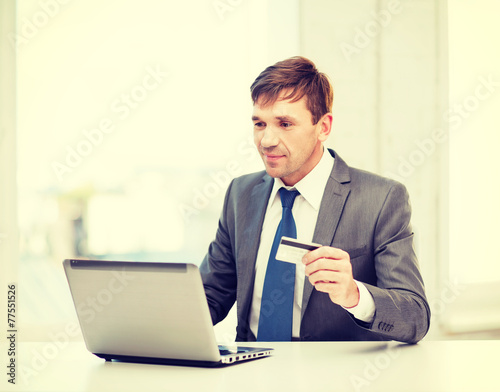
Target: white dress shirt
305, 212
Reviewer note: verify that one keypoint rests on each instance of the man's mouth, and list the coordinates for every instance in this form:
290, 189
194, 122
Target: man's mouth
273, 157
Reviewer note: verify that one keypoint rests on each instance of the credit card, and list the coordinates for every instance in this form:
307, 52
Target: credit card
292, 250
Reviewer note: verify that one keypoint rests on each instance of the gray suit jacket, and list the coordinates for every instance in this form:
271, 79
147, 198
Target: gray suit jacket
366, 215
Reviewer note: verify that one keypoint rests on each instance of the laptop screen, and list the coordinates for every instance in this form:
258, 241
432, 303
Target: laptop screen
142, 309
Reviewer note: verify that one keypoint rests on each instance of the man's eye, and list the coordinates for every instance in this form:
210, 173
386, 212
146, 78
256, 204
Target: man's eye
258, 125
286, 124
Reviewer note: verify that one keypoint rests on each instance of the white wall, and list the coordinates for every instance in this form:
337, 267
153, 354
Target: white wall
475, 137
386, 61
474, 122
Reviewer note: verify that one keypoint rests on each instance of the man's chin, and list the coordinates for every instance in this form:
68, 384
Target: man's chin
275, 172
276, 169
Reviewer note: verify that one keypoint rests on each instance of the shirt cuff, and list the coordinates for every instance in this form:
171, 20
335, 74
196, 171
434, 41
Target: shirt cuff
365, 309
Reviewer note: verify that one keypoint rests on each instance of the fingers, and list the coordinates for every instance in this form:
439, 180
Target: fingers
326, 287
325, 252
326, 260
327, 276
330, 271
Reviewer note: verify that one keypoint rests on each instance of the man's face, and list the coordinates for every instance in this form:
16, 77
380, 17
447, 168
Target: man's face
289, 143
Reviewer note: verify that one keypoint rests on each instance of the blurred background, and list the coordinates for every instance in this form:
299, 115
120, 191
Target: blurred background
123, 122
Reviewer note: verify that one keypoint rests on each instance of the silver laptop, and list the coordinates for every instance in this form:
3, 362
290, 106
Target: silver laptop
148, 312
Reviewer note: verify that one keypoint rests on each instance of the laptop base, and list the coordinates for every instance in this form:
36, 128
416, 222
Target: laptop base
172, 362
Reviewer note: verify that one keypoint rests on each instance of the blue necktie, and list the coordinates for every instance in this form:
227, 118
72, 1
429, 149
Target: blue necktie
275, 321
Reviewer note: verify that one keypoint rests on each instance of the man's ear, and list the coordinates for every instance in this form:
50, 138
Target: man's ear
325, 127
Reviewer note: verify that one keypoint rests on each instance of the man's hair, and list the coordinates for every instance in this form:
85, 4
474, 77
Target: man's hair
300, 76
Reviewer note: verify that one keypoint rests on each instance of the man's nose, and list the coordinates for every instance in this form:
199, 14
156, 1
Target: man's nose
270, 137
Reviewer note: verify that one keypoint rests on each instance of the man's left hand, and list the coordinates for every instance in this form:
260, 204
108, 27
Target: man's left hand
330, 271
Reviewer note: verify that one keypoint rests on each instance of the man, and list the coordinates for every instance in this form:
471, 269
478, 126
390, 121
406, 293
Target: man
364, 282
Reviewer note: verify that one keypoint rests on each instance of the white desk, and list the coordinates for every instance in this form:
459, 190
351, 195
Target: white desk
470, 366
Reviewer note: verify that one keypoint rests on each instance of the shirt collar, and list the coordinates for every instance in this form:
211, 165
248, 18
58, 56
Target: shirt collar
312, 186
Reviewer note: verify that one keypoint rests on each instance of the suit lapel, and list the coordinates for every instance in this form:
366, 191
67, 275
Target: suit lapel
254, 212
332, 205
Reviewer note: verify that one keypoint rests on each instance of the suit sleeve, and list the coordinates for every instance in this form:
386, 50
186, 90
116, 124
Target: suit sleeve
218, 269
402, 312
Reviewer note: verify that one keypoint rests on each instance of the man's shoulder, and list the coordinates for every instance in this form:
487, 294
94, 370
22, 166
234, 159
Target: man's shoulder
244, 188
250, 180
360, 178
372, 187
367, 184
364, 177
